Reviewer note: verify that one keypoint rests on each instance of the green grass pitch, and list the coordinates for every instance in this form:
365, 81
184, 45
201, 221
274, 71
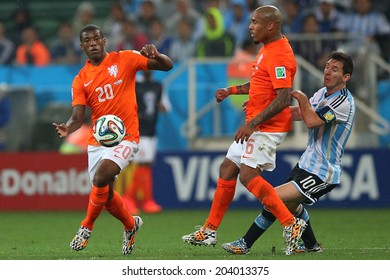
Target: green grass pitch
346, 234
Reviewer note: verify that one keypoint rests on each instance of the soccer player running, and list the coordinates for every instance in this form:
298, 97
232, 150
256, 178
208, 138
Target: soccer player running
268, 119
329, 116
107, 85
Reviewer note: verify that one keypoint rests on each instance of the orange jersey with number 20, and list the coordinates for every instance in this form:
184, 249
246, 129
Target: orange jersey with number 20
110, 89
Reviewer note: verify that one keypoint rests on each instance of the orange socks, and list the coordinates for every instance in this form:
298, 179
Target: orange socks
97, 199
267, 195
118, 210
222, 198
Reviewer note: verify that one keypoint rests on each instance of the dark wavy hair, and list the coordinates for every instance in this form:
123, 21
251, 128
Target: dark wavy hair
345, 59
91, 27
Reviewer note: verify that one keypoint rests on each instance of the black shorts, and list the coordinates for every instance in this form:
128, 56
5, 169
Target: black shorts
310, 185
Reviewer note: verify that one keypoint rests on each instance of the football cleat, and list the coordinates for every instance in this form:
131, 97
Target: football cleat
303, 249
205, 237
80, 240
129, 236
237, 247
292, 234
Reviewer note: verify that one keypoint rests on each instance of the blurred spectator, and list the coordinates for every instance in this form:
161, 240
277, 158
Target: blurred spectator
385, 7
311, 48
370, 33
252, 5
240, 66
66, 47
7, 48
130, 7
5, 115
165, 9
113, 25
159, 37
183, 45
20, 19
131, 38
306, 4
314, 50
146, 16
344, 5
32, 51
215, 42
292, 18
237, 20
185, 10
327, 15
84, 15
203, 6
220, 4
364, 20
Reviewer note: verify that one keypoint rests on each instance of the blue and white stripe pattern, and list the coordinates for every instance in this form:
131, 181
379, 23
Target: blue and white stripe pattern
368, 24
326, 144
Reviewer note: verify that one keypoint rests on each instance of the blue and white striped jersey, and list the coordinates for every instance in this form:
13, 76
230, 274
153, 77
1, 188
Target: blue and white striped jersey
326, 144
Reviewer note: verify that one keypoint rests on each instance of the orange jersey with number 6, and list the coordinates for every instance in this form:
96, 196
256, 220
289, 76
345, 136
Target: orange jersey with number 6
274, 68
110, 89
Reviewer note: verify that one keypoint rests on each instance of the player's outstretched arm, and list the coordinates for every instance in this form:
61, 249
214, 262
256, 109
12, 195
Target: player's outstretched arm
222, 93
157, 61
74, 122
296, 113
309, 116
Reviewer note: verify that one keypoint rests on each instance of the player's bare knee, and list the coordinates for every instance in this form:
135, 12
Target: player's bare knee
245, 179
100, 180
228, 170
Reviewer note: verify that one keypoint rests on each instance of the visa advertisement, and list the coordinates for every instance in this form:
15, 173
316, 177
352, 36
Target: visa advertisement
182, 180
188, 180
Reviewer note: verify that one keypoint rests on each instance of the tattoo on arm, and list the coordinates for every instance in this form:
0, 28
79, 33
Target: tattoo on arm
243, 89
281, 101
160, 62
